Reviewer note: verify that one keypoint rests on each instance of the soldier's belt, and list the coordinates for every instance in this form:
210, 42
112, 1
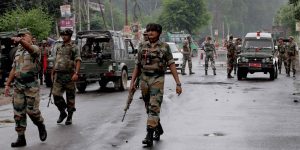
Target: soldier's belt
153, 73
26, 80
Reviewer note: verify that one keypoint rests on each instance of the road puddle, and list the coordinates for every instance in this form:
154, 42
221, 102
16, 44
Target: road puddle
210, 83
214, 134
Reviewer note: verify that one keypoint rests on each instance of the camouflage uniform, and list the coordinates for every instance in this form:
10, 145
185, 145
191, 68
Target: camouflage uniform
210, 50
291, 58
66, 56
26, 98
231, 52
153, 62
282, 56
186, 51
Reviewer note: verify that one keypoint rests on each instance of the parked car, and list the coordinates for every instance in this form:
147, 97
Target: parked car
177, 55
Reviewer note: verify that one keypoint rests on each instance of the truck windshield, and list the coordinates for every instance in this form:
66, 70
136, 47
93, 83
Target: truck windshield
258, 43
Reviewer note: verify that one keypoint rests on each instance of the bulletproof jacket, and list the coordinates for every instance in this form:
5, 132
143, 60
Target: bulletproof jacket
186, 49
65, 56
26, 65
231, 49
208, 47
153, 62
281, 49
291, 51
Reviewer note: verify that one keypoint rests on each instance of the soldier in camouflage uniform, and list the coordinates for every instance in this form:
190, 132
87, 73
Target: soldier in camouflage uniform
281, 55
210, 53
153, 58
231, 52
26, 98
238, 51
65, 73
186, 52
291, 56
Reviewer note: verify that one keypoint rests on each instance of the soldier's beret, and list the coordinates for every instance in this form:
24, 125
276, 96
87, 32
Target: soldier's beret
66, 32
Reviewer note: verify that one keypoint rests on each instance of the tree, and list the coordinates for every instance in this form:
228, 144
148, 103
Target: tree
188, 15
36, 20
285, 17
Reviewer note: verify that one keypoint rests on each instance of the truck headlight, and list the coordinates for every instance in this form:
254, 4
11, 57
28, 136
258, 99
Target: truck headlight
110, 68
243, 59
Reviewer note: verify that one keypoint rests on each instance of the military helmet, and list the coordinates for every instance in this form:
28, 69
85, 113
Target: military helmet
291, 37
66, 32
24, 31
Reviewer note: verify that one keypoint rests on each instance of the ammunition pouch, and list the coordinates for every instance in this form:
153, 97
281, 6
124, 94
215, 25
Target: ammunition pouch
26, 80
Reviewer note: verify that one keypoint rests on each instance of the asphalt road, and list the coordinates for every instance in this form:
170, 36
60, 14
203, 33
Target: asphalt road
213, 113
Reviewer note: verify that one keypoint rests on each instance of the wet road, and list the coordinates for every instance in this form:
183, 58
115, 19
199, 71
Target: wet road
213, 113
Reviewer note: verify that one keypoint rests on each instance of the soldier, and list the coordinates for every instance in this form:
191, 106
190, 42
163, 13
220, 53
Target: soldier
231, 52
238, 43
210, 53
26, 96
186, 51
153, 58
291, 56
281, 51
64, 74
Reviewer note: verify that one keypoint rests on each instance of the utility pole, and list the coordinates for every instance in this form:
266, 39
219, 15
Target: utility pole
88, 15
112, 17
79, 15
126, 13
74, 16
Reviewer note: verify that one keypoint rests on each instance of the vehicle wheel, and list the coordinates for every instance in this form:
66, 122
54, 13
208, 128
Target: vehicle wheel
272, 74
81, 86
123, 80
276, 72
239, 74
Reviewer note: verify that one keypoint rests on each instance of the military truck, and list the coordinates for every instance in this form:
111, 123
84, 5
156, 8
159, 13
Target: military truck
8, 50
107, 58
257, 55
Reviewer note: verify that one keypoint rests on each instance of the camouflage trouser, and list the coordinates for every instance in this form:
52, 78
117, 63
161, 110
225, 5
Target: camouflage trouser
26, 100
210, 57
281, 59
186, 57
63, 83
230, 63
152, 88
291, 61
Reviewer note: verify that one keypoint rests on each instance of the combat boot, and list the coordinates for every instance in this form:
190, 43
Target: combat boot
294, 73
69, 118
191, 72
206, 72
149, 137
21, 141
215, 72
62, 116
158, 132
42, 132
229, 76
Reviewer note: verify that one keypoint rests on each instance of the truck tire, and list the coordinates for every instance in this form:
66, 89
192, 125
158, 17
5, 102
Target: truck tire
272, 74
81, 86
239, 74
123, 80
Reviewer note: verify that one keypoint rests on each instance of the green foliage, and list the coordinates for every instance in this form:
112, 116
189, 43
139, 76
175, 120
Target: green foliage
36, 20
285, 17
189, 15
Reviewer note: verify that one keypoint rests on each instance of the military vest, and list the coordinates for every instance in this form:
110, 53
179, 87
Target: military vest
291, 51
230, 49
65, 56
26, 64
186, 49
208, 47
153, 61
281, 49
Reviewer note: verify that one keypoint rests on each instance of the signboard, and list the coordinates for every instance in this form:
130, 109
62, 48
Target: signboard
66, 23
65, 10
96, 6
